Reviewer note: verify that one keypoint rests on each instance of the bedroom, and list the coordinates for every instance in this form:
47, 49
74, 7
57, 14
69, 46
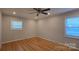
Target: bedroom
33, 29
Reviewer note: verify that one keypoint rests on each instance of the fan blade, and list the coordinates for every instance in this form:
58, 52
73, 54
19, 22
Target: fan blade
35, 9
46, 9
44, 13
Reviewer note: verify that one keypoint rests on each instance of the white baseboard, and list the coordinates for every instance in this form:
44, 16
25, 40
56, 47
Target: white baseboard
58, 42
51, 40
42, 38
16, 40
11, 41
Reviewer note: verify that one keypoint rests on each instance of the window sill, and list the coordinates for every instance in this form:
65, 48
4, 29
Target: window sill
72, 37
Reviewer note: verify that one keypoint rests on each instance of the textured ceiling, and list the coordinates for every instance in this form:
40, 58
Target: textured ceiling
28, 12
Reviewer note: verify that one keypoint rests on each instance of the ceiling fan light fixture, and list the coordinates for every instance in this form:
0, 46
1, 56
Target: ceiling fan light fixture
48, 13
14, 12
42, 11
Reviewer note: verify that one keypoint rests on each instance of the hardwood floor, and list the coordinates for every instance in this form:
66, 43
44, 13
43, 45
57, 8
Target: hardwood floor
34, 44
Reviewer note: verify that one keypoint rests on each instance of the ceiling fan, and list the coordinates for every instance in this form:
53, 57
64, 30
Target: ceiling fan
41, 11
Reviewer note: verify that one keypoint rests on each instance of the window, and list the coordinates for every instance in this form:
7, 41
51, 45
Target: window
16, 25
72, 27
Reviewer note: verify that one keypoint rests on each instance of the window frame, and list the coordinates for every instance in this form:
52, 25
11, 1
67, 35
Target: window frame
70, 36
11, 26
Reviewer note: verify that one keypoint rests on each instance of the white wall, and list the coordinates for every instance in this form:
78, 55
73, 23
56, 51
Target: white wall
0, 28
52, 28
29, 29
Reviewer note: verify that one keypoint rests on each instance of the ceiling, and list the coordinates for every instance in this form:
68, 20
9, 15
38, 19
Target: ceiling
28, 12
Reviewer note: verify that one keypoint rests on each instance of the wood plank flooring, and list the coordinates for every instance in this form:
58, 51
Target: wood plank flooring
34, 44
